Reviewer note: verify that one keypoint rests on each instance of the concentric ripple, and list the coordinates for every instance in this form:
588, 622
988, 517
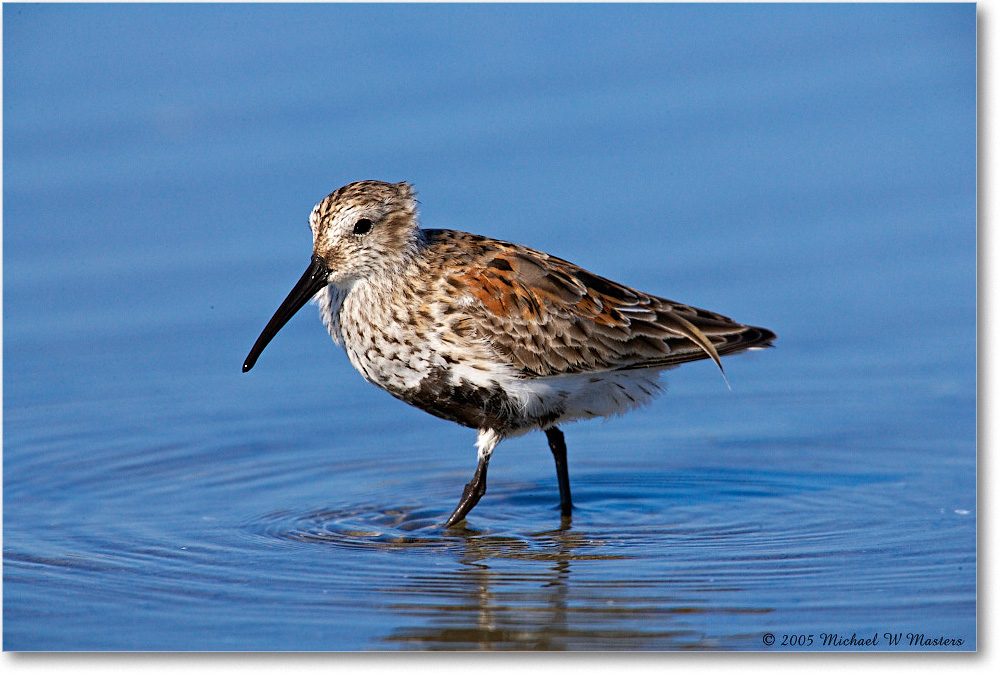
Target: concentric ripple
354, 526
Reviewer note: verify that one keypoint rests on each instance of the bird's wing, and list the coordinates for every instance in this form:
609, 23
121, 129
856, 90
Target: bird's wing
547, 316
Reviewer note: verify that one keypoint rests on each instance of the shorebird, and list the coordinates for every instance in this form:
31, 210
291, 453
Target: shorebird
495, 336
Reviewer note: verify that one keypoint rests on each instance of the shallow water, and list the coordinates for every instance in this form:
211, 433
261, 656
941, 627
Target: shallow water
806, 168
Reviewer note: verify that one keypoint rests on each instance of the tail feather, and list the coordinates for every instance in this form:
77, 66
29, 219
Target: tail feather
737, 339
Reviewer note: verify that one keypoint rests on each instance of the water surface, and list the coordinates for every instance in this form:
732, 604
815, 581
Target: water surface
806, 168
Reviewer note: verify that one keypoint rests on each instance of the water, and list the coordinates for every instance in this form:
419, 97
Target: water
806, 168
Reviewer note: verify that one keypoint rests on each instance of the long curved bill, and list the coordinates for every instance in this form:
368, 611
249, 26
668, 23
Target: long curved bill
314, 279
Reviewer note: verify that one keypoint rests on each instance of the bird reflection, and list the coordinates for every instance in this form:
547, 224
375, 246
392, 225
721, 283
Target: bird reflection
656, 585
520, 593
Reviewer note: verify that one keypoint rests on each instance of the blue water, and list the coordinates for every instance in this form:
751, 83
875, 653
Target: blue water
810, 168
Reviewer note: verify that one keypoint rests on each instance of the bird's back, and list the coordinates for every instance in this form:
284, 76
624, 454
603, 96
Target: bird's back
545, 316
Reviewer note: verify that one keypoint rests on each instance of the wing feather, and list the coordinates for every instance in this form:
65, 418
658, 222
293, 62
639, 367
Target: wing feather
547, 316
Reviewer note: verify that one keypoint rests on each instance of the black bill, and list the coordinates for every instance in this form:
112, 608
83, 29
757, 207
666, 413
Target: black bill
314, 279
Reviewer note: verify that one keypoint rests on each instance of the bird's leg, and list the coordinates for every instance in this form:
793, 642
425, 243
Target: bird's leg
473, 492
557, 444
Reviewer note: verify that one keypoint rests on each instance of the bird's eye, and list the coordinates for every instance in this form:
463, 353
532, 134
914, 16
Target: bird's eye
363, 226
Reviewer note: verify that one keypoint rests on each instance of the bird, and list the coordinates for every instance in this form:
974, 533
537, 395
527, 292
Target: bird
494, 336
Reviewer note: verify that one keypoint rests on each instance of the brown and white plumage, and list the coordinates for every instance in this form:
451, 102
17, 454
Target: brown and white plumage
489, 334
549, 317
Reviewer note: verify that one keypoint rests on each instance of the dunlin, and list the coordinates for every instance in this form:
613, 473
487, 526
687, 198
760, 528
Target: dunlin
495, 336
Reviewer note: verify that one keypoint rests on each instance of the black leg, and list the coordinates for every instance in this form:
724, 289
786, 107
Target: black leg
472, 494
557, 444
